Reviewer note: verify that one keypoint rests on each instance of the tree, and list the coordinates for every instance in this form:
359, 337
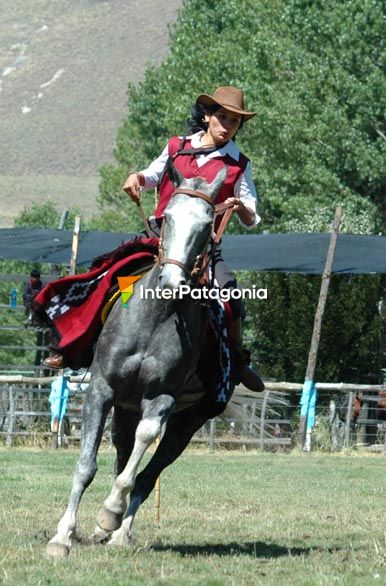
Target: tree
45, 215
312, 70
281, 327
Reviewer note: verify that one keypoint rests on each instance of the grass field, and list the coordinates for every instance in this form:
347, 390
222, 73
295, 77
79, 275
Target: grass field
226, 518
65, 191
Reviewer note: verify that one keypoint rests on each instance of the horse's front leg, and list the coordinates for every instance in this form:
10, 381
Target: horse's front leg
124, 424
96, 407
180, 428
155, 415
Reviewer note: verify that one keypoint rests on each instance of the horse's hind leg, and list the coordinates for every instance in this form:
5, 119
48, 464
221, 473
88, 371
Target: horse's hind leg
96, 407
155, 414
180, 428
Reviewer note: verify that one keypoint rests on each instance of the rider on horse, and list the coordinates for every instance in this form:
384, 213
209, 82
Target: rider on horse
215, 121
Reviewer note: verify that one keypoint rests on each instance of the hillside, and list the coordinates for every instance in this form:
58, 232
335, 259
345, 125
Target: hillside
64, 68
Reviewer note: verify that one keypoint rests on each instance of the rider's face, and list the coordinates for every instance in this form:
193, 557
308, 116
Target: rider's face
222, 125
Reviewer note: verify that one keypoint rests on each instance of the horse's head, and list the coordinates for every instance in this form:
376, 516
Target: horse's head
187, 226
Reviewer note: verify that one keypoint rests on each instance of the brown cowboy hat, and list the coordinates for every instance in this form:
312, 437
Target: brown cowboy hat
228, 97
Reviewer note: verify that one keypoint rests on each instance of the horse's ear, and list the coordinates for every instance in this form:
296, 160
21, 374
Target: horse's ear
175, 177
217, 182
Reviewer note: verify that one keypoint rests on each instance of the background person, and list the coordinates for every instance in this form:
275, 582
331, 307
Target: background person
30, 290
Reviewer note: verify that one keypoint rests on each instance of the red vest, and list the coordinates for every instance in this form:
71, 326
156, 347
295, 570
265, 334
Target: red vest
187, 166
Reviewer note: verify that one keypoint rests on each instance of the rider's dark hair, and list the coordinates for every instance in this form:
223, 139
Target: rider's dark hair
196, 122
35, 274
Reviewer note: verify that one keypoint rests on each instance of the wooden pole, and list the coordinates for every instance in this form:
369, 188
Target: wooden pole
63, 219
11, 420
362, 430
332, 418
253, 416
75, 244
262, 418
348, 420
157, 492
55, 434
285, 387
309, 390
212, 432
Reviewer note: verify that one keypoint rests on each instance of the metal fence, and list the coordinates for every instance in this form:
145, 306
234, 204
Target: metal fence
266, 421
347, 415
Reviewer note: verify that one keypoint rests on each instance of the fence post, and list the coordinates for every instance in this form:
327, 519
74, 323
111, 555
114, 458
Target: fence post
11, 420
75, 244
362, 428
157, 491
212, 431
348, 420
308, 398
262, 419
384, 446
253, 416
334, 439
245, 417
55, 434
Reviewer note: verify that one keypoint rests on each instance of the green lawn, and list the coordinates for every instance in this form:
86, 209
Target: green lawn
226, 518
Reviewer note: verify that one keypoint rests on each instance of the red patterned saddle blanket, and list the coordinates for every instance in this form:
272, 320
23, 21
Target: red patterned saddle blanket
72, 308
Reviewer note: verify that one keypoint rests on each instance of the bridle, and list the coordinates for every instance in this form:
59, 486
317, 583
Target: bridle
202, 260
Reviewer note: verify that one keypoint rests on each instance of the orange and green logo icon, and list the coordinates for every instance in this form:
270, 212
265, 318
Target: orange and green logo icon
126, 287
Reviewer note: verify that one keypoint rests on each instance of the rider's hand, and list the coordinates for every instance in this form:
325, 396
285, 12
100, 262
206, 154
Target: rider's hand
235, 201
246, 215
132, 186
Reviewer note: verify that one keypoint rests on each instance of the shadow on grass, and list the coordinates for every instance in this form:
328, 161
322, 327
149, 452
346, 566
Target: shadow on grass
256, 549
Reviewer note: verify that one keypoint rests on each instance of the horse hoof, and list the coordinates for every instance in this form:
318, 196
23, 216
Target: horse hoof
100, 535
119, 539
108, 520
57, 550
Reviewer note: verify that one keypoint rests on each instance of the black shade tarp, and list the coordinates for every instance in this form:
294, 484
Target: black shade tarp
292, 253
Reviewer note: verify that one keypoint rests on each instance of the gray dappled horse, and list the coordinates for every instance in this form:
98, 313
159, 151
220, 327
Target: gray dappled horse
145, 367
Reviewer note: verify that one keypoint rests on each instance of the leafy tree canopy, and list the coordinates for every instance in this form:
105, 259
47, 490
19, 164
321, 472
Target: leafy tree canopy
45, 215
314, 71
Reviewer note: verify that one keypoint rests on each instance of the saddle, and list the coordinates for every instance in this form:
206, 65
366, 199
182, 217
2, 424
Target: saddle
221, 362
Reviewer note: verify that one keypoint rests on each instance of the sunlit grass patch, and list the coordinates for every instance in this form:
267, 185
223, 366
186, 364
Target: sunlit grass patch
226, 518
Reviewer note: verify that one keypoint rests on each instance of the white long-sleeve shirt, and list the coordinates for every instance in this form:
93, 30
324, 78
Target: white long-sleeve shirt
244, 187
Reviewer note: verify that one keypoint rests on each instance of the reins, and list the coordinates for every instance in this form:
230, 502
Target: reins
143, 217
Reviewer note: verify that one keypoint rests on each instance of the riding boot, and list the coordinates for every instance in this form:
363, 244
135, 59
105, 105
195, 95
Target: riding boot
248, 376
55, 361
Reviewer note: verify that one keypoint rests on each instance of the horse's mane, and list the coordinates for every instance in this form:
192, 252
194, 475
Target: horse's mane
138, 243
